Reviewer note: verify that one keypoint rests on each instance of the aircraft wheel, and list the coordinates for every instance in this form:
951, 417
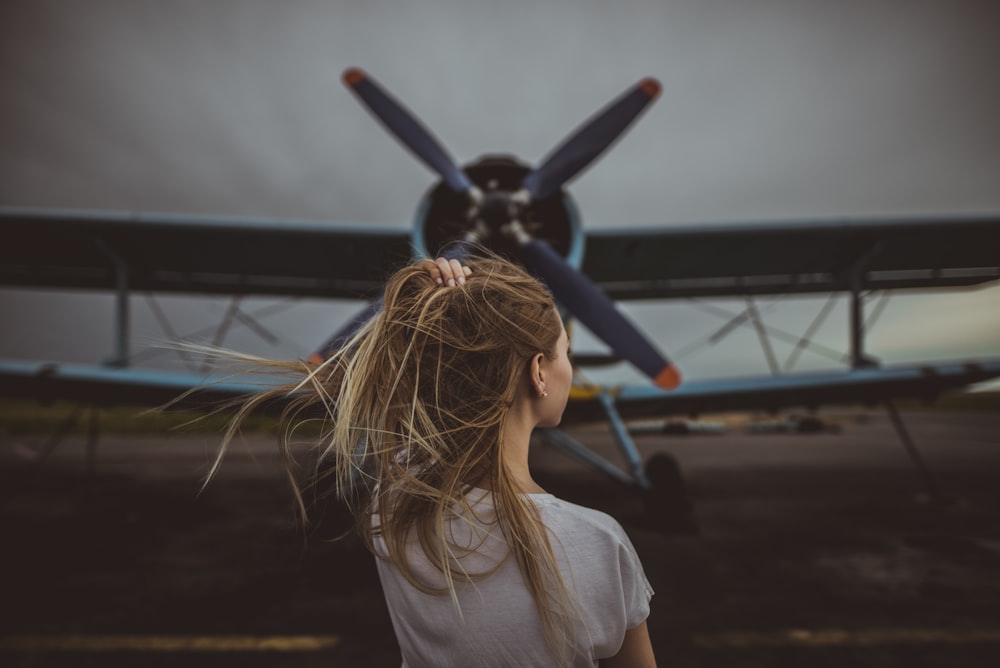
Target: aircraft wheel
666, 506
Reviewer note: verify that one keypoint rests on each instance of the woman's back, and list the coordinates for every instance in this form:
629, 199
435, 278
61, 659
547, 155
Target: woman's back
495, 621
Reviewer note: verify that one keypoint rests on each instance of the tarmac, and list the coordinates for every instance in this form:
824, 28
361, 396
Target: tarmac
818, 550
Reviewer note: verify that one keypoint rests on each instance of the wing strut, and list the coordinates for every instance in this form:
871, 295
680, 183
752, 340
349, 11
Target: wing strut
807, 336
857, 317
120, 358
42, 454
765, 342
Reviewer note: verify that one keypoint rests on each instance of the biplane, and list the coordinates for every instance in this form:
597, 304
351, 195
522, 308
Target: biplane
525, 213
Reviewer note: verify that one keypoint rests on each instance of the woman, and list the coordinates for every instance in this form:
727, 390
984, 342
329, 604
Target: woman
431, 408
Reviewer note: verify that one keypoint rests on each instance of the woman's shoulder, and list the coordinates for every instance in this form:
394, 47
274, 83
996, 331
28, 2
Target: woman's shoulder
598, 552
565, 518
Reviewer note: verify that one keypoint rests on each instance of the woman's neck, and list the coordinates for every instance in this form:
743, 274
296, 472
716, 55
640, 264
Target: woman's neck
516, 442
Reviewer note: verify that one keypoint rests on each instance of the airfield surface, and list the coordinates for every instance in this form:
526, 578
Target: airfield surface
813, 550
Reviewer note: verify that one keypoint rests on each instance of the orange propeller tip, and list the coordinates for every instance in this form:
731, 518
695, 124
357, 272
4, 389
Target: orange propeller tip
650, 86
669, 378
353, 76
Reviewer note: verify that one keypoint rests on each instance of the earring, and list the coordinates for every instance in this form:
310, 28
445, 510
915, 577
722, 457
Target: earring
544, 394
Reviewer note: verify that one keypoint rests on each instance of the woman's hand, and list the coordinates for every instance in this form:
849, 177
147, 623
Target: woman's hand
446, 272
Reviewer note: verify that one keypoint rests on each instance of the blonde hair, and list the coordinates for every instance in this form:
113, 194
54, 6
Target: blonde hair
416, 406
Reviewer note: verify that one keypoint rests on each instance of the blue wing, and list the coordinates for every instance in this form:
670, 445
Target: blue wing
47, 381
867, 386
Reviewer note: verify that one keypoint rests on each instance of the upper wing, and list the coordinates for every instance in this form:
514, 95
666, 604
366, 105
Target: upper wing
793, 257
176, 253
243, 256
807, 390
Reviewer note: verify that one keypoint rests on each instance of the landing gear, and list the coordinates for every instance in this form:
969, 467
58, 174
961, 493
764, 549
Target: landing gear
660, 484
666, 506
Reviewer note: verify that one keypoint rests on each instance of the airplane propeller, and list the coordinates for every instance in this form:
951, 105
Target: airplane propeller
584, 146
497, 215
407, 129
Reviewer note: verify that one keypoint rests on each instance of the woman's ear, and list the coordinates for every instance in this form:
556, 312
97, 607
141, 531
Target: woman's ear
535, 374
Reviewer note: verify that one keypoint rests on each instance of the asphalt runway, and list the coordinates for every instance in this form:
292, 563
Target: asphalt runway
813, 550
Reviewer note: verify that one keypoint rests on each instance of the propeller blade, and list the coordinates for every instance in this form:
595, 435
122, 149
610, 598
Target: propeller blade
407, 129
595, 310
590, 140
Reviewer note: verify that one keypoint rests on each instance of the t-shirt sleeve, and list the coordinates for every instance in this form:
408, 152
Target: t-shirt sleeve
636, 589
604, 570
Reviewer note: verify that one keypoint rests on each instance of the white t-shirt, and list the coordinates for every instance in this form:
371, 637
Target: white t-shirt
498, 624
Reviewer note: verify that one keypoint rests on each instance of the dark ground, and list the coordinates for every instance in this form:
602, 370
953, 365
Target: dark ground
817, 533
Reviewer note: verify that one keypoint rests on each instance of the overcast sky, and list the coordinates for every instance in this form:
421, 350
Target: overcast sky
771, 109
